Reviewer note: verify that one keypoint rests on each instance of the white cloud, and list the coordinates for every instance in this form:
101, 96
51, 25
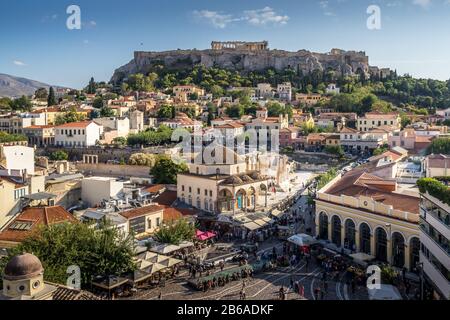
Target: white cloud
395, 3
217, 19
264, 16
19, 63
325, 6
257, 17
422, 3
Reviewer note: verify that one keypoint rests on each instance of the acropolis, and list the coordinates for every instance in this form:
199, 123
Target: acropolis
240, 45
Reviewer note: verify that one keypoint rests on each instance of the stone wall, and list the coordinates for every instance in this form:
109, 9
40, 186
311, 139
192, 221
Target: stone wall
113, 170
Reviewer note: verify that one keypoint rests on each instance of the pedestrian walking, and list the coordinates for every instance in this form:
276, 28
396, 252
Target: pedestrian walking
302, 291
160, 295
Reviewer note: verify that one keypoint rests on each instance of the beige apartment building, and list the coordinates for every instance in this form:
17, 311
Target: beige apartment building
373, 120
182, 93
365, 213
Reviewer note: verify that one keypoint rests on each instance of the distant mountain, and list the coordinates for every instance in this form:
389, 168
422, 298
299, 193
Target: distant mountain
11, 86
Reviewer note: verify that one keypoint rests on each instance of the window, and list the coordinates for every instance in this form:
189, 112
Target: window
206, 192
190, 189
149, 223
182, 188
158, 222
198, 190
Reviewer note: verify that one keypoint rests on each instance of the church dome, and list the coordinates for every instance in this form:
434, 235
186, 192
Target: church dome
233, 180
256, 176
24, 266
246, 178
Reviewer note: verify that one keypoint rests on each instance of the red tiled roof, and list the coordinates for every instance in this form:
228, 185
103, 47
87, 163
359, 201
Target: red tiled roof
138, 212
82, 124
35, 216
357, 183
167, 198
155, 188
172, 214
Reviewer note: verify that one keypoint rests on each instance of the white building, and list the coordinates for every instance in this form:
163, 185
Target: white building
444, 113
435, 243
121, 125
94, 190
78, 134
18, 158
284, 91
137, 121
264, 90
332, 88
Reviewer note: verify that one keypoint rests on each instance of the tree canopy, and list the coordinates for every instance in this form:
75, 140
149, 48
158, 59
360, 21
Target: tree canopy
98, 252
165, 171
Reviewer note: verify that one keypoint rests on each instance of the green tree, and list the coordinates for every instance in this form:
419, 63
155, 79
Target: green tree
92, 86
175, 232
106, 112
165, 171
143, 159
21, 104
165, 112
120, 141
70, 116
439, 145
41, 93
336, 150
98, 103
5, 103
51, 100
59, 155
97, 251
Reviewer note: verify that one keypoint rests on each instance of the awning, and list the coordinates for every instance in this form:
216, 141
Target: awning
361, 256
260, 222
251, 226
302, 240
276, 213
165, 248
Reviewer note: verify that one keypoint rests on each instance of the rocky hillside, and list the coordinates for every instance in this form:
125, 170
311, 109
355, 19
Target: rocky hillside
343, 62
11, 86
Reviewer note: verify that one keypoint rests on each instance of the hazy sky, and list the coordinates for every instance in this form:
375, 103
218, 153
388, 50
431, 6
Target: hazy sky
35, 42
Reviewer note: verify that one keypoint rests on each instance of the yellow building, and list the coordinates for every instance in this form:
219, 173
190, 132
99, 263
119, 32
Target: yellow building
182, 93
189, 108
364, 213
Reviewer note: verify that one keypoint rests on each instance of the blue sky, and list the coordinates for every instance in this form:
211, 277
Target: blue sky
35, 43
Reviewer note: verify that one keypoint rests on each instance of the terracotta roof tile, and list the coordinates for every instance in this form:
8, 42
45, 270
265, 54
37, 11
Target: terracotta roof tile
138, 212
33, 217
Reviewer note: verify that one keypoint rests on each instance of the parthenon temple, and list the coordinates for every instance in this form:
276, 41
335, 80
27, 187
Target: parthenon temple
240, 45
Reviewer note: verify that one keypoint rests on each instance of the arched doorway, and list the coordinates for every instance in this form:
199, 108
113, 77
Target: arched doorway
398, 250
381, 244
251, 198
241, 199
225, 200
323, 226
263, 191
414, 251
336, 230
364, 238
350, 232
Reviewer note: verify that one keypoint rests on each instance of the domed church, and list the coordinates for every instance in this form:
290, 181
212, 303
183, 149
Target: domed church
23, 279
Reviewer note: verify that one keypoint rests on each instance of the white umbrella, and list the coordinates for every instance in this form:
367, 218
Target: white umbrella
302, 240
